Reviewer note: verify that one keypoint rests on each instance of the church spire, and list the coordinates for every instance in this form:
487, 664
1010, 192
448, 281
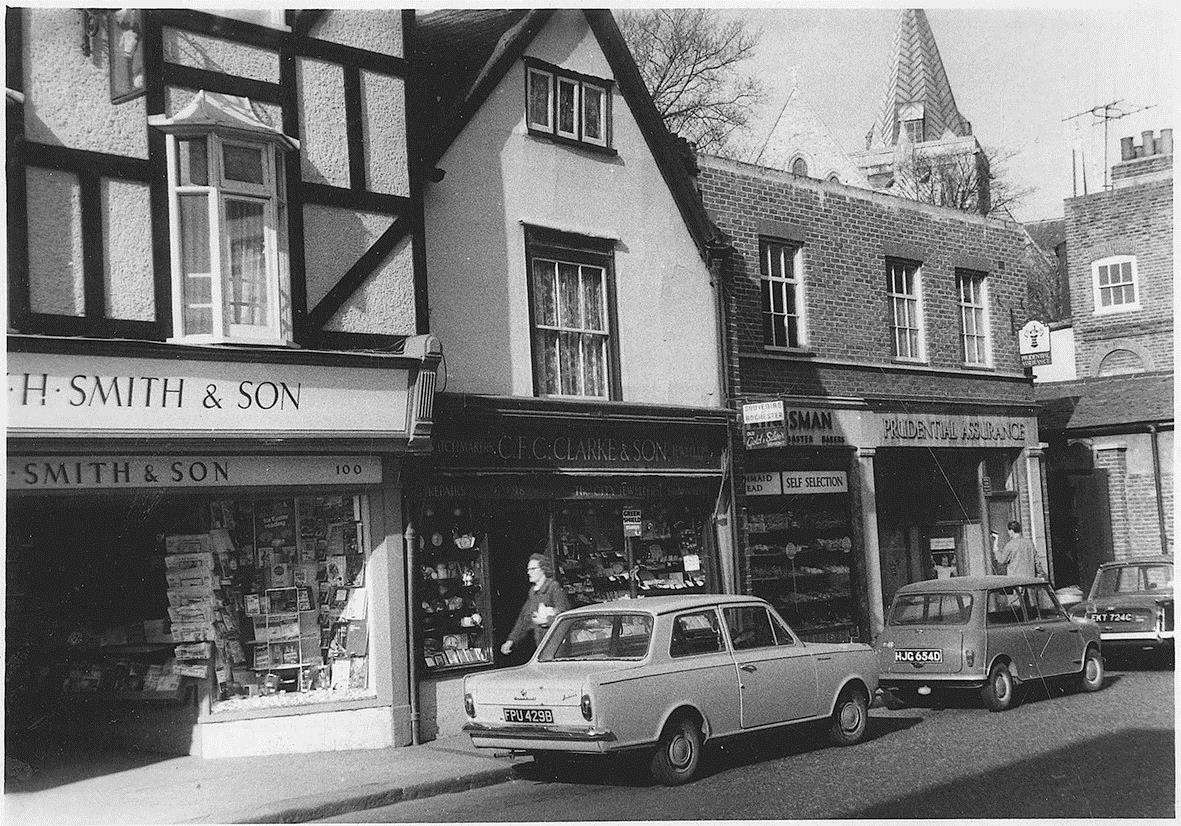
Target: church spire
919, 104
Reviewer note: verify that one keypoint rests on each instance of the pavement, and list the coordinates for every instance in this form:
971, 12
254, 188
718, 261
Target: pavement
123, 787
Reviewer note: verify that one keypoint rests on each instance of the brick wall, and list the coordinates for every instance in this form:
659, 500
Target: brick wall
847, 235
1114, 462
1134, 220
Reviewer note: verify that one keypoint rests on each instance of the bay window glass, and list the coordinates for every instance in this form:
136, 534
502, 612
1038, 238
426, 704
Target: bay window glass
567, 107
566, 104
594, 114
230, 261
540, 95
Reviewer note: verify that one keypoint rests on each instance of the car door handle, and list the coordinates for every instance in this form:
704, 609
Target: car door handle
1038, 628
1072, 630
823, 659
748, 668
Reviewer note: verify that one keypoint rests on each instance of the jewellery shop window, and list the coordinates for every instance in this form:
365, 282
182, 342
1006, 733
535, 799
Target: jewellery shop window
274, 597
453, 590
799, 550
595, 563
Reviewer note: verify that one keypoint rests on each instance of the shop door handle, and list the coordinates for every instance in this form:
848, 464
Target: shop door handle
748, 668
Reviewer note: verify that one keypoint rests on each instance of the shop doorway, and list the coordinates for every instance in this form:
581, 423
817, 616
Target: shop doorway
517, 530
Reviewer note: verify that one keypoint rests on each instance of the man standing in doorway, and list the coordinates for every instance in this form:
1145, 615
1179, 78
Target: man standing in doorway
1018, 557
546, 600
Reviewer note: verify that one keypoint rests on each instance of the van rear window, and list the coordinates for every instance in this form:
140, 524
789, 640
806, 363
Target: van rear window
931, 609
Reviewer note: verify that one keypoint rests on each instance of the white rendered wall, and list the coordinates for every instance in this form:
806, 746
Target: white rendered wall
498, 176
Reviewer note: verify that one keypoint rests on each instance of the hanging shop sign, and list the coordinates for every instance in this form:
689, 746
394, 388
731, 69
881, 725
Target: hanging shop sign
117, 472
64, 395
1033, 343
955, 430
762, 424
796, 482
559, 444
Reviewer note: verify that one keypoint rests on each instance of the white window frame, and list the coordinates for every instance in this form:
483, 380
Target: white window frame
917, 298
984, 330
604, 334
606, 97
530, 73
792, 258
1097, 290
576, 115
217, 192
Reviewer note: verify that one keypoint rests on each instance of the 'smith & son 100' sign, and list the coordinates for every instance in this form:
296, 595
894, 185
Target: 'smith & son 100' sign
57, 394
107, 472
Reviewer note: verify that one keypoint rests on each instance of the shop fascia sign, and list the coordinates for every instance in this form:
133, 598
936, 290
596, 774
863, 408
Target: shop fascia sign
119, 472
955, 430
796, 482
775, 424
70, 395
1033, 344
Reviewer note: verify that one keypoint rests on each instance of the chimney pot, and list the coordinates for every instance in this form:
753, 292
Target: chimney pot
1127, 150
1165, 143
1146, 137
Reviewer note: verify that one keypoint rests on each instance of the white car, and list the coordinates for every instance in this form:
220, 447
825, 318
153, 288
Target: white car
667, 674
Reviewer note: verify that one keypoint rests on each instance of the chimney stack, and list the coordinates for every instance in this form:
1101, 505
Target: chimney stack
1146, 138
1164, 144
1127, 150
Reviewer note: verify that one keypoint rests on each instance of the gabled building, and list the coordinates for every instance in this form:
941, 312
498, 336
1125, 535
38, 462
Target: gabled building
581, 413
1108, 395
921, 146
218, 364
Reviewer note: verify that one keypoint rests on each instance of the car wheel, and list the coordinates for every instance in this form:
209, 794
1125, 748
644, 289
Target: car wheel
849, 718
999, 691
1090, 678
678, 754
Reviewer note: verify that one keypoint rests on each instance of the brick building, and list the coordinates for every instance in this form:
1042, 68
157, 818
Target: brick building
1110, 427
901, 430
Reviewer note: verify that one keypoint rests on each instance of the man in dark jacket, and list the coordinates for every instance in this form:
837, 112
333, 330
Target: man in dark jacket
546, 600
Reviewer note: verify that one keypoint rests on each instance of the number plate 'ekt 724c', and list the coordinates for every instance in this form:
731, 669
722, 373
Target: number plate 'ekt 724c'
528, 715
918, 655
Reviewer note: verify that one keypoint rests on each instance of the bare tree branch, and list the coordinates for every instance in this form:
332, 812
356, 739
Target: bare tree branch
691, 63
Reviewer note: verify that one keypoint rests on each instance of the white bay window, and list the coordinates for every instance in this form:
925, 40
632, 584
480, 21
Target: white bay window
228, 215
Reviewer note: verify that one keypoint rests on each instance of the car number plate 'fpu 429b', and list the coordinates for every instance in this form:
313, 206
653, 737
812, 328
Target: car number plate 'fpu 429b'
528, 715
918, 656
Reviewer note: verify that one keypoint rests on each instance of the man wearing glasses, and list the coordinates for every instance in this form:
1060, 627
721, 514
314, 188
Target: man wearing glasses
546, 600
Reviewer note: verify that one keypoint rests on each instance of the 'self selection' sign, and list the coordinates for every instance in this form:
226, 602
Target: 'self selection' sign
56, 394
796, 482
116, 472
1033, 343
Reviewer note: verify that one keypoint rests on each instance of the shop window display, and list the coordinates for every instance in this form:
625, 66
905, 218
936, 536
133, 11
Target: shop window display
453, 589
210, 606
799, 557
465, 545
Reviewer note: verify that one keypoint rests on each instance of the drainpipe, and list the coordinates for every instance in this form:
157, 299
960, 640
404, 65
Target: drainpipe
1160, 501
410, 538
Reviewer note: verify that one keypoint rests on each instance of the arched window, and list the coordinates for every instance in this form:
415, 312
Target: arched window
1120, 361
799, 167
833, 178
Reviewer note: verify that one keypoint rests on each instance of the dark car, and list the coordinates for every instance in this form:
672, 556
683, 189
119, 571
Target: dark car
1131, 602
984, 633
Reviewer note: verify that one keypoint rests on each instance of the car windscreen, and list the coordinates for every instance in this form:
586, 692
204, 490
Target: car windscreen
931, 609
598, 637
1133, 579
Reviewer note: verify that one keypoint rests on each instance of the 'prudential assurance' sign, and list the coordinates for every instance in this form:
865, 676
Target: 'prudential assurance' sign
54, 394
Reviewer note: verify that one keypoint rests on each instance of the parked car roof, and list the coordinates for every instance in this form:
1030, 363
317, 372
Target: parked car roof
968, 583
665, 604
1139, 560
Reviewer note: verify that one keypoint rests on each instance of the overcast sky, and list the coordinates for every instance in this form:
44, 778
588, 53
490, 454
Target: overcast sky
1016, 73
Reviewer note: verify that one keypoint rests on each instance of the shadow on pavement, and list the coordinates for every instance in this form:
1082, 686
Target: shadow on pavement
1133, 660
631, 769
1033, 691
1126, 774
